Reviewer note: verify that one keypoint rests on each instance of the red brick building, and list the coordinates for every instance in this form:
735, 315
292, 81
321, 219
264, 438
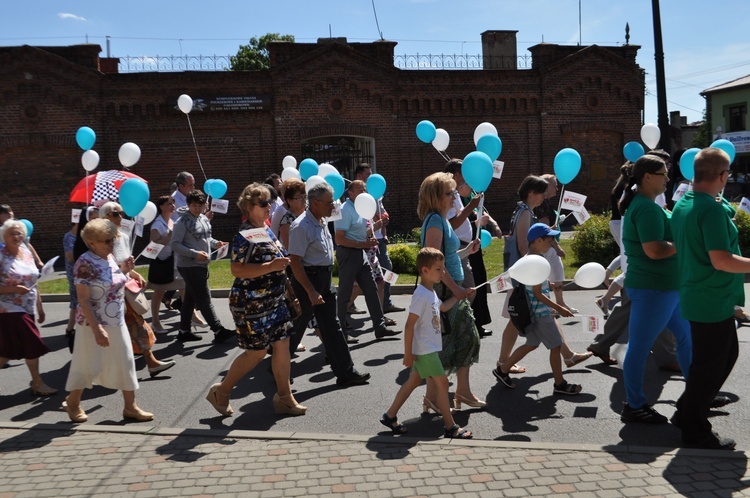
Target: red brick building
334, 101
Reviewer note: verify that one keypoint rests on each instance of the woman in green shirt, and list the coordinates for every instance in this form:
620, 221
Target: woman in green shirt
652, 283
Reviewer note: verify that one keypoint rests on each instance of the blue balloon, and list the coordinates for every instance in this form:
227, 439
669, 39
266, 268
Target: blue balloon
490, 145
134, 195
567, 165
337, 182
307, 168
686, 163
727, 147
85, 137
208, 185
376, 186
426, 131
632, 151
477, 170
486, 238
218, 188
29, 227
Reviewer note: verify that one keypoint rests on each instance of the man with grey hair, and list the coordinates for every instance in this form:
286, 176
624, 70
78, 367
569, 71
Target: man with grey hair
185, 182
311, 254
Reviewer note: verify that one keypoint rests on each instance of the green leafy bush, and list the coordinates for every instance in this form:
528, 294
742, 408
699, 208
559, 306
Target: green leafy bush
404, 258
592, 241
742, 220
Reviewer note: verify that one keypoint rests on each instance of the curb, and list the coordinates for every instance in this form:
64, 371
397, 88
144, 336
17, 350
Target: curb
150, 430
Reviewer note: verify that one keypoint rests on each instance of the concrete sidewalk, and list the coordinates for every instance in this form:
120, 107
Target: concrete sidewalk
141, 460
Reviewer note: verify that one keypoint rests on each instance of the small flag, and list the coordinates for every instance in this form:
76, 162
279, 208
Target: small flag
256, 235
497, 169
75, 215
390, 277
219, 206
573, 201
151, 251
48, 268
582, 216
593, 324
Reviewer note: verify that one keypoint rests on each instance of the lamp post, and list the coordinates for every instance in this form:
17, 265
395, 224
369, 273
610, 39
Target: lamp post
665, 143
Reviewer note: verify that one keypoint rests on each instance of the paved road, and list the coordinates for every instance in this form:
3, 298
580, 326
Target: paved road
530, 413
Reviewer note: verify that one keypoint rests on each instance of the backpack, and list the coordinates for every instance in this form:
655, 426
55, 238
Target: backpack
519, 309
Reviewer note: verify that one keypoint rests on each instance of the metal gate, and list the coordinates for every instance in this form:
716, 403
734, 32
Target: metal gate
345, 153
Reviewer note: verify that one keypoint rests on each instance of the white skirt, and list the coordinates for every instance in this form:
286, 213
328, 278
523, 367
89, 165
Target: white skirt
112, 367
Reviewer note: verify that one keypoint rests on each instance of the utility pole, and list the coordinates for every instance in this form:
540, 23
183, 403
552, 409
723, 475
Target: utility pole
665, 143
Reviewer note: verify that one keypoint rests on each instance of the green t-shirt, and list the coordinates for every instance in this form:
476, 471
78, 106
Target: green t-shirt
700, 224
645, 221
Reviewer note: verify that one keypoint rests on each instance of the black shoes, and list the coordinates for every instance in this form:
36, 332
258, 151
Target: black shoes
353, 379
392, 308
642, 415
713, 442
720, 401
380, 334
504, 378
222, 335
483, 332
188, 336
70, 335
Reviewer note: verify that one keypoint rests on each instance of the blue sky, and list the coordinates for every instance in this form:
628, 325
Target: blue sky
705, 43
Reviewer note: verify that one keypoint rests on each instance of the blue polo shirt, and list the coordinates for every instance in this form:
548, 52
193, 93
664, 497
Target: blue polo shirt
354, 226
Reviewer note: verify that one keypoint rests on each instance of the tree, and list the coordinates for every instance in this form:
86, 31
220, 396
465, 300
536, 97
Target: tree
703, 137
254, 55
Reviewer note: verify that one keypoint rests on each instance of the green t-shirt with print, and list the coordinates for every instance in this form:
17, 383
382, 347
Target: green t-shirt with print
701, 224
645, 221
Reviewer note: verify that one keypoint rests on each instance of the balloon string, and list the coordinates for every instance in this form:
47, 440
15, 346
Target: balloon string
559, 205
195, 145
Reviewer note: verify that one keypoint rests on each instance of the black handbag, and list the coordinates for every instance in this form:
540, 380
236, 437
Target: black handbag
161, 271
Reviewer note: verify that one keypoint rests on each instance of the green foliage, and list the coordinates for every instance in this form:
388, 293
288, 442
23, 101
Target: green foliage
593, 241
254, 55
702, 138
742, 220
404, 258
416, 234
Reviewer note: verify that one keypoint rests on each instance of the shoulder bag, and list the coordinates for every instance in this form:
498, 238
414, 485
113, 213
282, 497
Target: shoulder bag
135, 296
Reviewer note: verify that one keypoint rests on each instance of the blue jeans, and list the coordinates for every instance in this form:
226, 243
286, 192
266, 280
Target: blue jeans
651, 312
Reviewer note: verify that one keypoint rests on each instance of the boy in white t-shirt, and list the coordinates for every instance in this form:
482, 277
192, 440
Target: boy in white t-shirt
544, 329
422, 342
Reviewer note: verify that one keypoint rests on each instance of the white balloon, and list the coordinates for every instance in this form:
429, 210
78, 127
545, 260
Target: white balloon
484, 129
289, 162
590, 275
326, 169
650, 135
530, 270
185, 103
129, 154
442, 139
290, 173
365, 206
312, 181
148, 213
90, 160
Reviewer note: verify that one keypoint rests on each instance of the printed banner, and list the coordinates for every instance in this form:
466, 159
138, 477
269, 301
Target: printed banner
573, 201
151, 251
219, 206
139, 222
593, 324
256, 235
682, 189
48, 268
389, 276
75, 215
501, 283
582, 216
497, 169
222, 251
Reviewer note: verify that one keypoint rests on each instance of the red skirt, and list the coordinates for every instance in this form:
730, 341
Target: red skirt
19, 337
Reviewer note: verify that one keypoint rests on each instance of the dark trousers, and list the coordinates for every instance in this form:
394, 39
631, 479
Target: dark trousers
198, 296
330, 329
385, 262
715, 350
353, 267
479, 305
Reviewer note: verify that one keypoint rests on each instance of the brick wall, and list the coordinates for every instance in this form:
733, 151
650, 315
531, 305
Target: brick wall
589, 98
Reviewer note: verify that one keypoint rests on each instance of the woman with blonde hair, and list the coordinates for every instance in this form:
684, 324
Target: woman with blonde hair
461, 345
258, 305
103, 352
19, 304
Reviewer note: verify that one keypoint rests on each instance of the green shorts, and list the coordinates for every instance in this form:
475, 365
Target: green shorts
428, 365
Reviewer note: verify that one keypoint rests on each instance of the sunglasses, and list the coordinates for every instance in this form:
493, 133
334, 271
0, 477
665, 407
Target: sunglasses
119, 214
263, 204
107, 241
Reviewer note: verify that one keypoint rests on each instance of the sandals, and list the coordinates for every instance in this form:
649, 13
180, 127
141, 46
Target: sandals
566, 388
603, 307
606, 359
515, 369
456, 432
213, 398
577, 358
390, 322
392, 424
77, 415
44, 390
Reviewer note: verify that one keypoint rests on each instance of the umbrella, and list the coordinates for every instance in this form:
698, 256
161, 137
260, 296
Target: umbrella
103, 185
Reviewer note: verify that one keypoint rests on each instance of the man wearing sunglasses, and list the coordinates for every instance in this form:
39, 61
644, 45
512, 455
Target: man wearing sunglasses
311, 254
